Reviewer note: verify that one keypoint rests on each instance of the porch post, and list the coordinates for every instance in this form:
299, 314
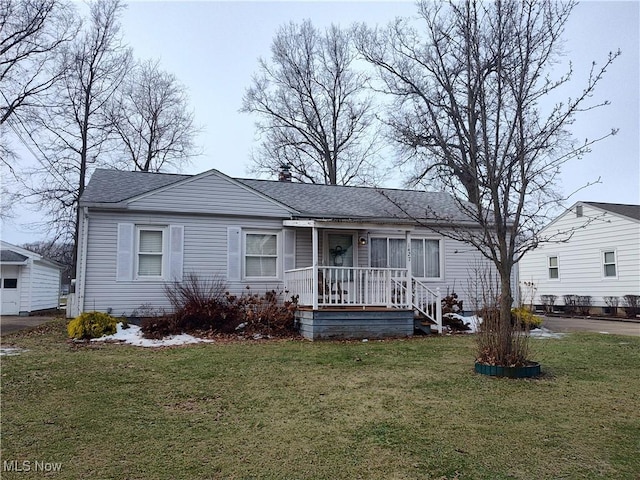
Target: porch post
407, 236
314, 256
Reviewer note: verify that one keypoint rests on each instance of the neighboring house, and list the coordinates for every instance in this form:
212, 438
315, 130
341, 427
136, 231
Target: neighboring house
599, 258
359, 264
28, 281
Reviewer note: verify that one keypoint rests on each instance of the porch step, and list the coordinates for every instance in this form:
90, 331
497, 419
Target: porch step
422, 325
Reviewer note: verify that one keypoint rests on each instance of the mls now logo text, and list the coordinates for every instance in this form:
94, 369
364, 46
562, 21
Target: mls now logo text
29, 466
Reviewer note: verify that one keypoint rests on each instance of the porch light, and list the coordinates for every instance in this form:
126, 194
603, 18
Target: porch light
362, 241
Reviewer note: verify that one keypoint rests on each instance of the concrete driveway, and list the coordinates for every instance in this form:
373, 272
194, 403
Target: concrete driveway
561, 324
13, 323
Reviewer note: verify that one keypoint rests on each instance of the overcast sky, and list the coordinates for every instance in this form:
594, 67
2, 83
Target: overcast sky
213, 47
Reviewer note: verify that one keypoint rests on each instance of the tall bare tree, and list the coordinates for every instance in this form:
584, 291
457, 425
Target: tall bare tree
151, 118
32, 32
315, 115
469, 91
72, 132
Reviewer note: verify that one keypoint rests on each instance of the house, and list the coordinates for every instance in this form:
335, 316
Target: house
28, 281
361, 260
595, 260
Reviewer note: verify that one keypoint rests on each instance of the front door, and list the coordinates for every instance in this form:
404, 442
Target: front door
9, 290
339, 251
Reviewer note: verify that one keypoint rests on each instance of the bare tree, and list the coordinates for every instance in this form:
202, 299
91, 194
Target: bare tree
72, 132
314, 113
468, 106
31, 34
150, 116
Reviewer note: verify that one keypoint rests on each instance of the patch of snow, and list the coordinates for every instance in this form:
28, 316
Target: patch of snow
473, 322
133, 336
10, 351
543, 332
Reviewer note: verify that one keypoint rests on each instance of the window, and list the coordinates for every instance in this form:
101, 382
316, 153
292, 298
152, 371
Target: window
10, 283
261, 255
609, 264
425, 258
388, 253
392, 253
150, 252
554, 272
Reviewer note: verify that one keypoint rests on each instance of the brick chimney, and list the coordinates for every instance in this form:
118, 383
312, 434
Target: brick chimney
285, 173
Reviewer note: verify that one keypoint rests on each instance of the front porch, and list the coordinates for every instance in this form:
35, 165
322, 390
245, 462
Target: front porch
361, 302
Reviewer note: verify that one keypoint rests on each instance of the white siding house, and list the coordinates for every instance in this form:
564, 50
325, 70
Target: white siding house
332, 246
599, 258
28, 282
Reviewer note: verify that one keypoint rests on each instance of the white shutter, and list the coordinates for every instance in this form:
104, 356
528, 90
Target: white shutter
234, 254
176, 252
125, 254
289, 249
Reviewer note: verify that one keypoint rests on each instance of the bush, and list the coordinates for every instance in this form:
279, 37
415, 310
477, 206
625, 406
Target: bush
91, 325
202, 304
631, 304
451, 304
525, 318
548, 302
612, 302
583, 303
570, 303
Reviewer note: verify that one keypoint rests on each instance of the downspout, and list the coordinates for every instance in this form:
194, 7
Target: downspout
82, 264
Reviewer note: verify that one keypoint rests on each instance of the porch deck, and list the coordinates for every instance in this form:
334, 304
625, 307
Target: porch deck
357, 302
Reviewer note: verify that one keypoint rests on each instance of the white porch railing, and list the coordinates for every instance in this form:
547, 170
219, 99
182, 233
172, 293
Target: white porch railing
363, 286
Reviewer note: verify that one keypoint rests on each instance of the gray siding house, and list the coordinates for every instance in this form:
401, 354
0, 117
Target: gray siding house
360, 260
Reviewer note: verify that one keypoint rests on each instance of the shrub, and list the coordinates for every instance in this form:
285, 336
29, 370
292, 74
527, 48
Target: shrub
612, 302
525, 318
499, 343
451, 304
267, 314
583, 303
91, 325
548, 302
570, 303
631, 304
202, 304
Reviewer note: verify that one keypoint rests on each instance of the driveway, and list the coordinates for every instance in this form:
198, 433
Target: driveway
561, 324
13, 323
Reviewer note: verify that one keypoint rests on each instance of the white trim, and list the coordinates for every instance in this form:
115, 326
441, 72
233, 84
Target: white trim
603, 263
278, 257
412, 236
549, 267
164, 254
325, 245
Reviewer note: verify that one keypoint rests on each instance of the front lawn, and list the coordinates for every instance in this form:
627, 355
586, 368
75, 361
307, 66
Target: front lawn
398, 409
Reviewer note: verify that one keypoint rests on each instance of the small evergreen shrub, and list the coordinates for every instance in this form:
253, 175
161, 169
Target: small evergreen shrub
91, 325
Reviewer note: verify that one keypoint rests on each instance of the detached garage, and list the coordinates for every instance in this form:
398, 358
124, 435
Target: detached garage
28, 281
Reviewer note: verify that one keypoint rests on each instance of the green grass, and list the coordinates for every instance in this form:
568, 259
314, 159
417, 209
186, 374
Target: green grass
398, 409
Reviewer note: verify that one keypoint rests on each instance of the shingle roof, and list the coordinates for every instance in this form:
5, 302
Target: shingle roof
334, 201
11, 256
113, 186
631, 211
311, 200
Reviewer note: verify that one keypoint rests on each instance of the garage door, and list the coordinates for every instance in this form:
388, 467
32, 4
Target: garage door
9, 290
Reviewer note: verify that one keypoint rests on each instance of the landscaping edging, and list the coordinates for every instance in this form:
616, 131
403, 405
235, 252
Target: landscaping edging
528, 371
